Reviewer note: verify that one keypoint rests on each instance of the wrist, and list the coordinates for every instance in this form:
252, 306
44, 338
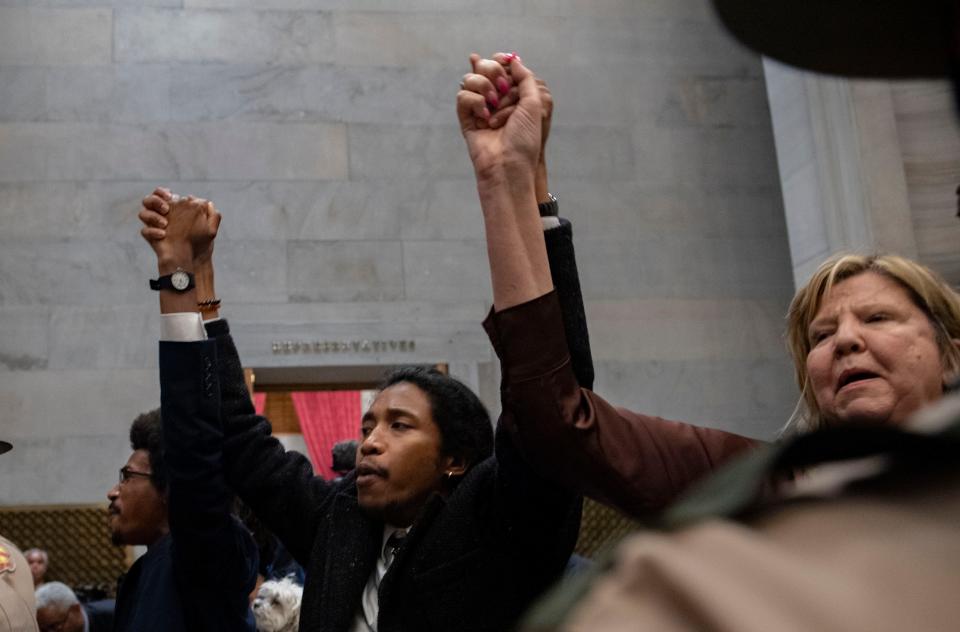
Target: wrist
507, 202
178, 302
207, 301
203, 269
507, 180
495, 166
205, 284
168, 262
203, 255
540, 182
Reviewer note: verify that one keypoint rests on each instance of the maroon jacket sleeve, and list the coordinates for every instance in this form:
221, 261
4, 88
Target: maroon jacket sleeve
633, 462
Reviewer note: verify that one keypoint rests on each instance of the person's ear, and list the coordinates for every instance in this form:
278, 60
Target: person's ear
455, 466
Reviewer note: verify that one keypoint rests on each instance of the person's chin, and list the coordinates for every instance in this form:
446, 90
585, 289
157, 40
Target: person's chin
116, 535
869, 402
866, 413
389, 511
370, 504
379, 513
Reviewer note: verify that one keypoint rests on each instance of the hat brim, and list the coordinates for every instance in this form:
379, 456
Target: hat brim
854, 38
5, 447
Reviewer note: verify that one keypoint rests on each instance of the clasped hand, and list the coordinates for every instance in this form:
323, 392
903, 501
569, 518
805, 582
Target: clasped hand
179, 229
501, 113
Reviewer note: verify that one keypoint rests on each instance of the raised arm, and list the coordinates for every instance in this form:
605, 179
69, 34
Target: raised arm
491, 79
558, 236
634, 462
504, 148
212, 551
273, 482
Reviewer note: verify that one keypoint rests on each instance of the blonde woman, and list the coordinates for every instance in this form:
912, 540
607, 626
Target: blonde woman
874, 339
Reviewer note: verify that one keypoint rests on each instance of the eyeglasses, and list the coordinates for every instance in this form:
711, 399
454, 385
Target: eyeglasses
126, 474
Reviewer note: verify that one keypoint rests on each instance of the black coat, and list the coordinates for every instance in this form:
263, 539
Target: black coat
472, 561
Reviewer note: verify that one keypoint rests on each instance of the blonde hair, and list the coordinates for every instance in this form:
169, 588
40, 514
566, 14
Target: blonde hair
928, 291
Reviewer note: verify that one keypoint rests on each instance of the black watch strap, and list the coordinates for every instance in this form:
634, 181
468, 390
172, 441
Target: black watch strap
550, 208
184, 281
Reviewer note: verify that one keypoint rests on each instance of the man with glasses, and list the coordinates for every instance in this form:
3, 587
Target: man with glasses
201, 563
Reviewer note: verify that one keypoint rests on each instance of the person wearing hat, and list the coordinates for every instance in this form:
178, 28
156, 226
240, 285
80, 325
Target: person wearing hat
18, 607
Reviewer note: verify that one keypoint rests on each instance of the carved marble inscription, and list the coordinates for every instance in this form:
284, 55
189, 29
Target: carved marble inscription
343, 346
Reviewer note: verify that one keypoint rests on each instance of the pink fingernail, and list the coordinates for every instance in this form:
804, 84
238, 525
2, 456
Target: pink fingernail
503, 86
485, 114
493, 100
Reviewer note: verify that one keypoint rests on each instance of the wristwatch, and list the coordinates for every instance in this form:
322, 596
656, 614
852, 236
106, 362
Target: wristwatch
179, 281
550, 207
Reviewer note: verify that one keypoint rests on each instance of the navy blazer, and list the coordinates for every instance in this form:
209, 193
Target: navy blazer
199, 576
100, 615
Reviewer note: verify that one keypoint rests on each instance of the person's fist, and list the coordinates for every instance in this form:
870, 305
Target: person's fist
179, 228
500, 112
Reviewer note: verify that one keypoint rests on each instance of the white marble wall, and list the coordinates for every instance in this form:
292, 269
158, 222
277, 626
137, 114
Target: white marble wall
867, 166
325, 131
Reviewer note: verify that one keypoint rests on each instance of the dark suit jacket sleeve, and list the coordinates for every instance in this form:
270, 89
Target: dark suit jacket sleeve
213, 553
634, 462
566, 280
537, 514
100, 615
279, 486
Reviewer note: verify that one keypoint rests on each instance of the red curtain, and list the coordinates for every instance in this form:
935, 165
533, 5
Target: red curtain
327, 417
259, 402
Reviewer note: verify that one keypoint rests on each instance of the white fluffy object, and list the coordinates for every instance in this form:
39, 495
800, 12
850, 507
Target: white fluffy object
277, 605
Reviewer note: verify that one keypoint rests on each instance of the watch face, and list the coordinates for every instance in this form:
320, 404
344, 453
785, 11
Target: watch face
179, 280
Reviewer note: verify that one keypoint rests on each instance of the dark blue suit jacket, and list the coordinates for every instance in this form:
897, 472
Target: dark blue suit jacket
199, 576
100, 615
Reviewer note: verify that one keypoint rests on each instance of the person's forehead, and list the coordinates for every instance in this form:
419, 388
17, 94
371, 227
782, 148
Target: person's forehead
865, 287
403, 396
49, 613
139, 460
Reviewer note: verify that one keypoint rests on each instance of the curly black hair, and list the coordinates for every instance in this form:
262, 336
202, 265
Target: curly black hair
146, 433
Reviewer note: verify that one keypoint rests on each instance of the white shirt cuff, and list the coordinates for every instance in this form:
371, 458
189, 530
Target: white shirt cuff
550, 222
182, 327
